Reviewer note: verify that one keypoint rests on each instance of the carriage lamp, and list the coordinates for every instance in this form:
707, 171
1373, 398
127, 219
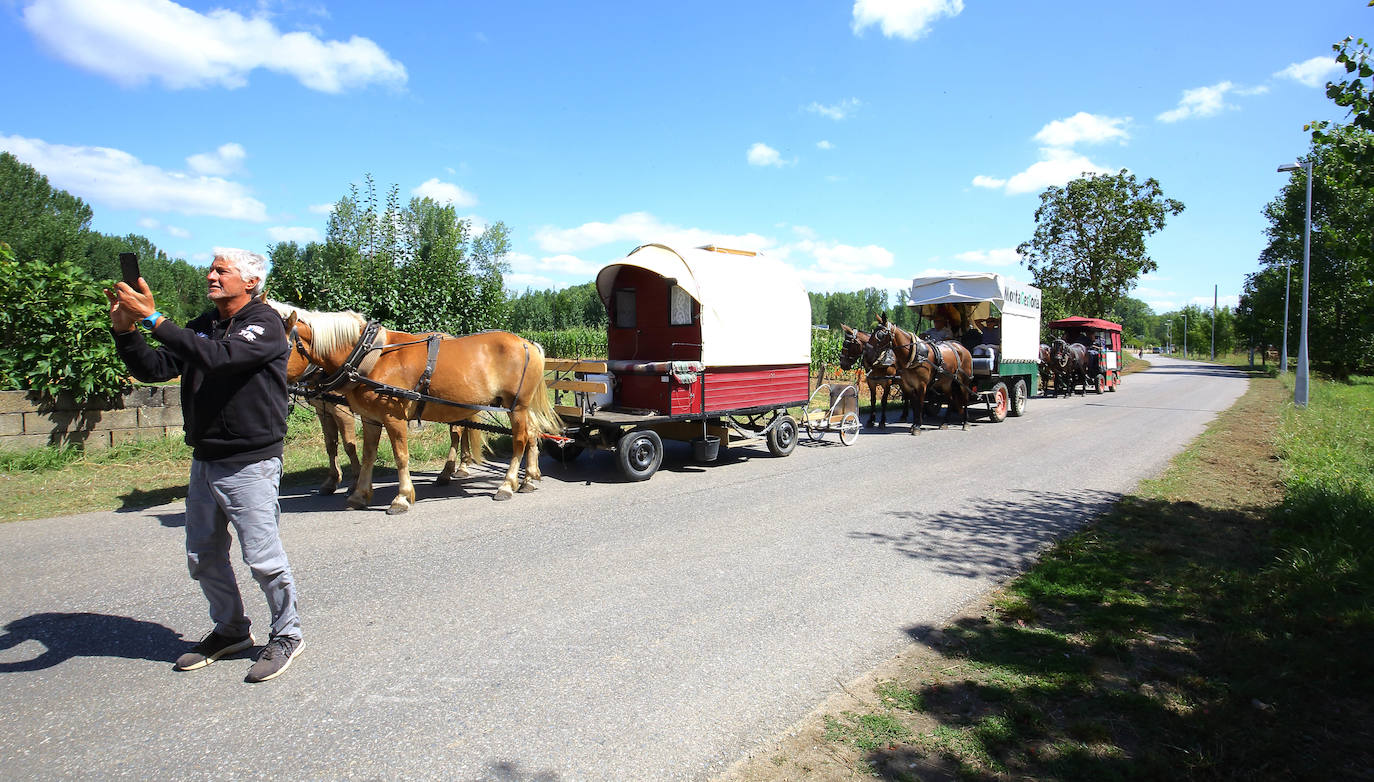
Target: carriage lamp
1300, 377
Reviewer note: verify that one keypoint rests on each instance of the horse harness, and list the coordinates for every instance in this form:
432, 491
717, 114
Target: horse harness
935, 354
363, 358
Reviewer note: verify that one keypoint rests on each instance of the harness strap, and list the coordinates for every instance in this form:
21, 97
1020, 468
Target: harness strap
422, 385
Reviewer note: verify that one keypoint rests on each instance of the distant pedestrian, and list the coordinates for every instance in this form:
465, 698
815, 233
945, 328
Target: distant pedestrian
232, 363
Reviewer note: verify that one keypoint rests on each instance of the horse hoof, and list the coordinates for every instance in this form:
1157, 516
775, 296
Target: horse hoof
526, 488
443, 480
328, 490
397, 509
503, 495
356, 505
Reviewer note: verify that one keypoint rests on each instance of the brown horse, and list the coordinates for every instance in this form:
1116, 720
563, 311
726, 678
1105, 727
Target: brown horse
945, 366
1069, 361
466, 446
491, 369
1046, 369
856, 349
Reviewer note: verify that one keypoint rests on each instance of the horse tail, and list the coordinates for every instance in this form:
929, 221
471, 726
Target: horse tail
543, 418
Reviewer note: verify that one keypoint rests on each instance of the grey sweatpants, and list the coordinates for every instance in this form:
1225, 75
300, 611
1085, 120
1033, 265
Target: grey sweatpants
244, 495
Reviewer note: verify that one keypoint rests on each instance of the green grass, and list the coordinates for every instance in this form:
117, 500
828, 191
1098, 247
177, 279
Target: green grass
1198, 630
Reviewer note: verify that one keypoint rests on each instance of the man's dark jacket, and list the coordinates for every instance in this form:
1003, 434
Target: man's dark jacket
233, 379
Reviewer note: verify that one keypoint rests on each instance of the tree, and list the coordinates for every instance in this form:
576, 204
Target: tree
1090, 238
417, 267
38, 221
1341, 277
1135, 316
1354, 94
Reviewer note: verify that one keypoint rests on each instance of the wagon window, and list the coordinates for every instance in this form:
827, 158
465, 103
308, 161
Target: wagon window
679, 307
625, 308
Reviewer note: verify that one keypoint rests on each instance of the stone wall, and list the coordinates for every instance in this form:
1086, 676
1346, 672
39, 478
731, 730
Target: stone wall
146, 411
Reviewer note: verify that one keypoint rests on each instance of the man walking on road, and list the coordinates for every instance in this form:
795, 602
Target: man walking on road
232, 363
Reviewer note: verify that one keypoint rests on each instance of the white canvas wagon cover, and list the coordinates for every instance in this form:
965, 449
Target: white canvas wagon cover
1019, 303
754, 309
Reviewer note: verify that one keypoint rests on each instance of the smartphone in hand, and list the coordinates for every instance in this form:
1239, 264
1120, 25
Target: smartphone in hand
128, 266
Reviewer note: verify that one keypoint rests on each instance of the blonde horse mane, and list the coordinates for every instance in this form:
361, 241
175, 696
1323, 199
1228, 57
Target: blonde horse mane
331, 330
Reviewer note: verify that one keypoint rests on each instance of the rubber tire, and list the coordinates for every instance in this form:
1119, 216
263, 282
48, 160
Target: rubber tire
813, 432
639, 452
1100, 384
1019, 395
849, 429
1001, 403
782, 438
563, 453
1112, 388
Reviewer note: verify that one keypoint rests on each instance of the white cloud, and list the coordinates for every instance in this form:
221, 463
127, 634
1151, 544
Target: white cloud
638, 227
158, 40
301, 234
1055, 168
320, 209
823, 144
1083, 127
838, 111
120, 180
760, 154
180, 233
1313, 73
1005, 256
1200, 102
445, 193
149, 223
222, 162
909, 19
992, 183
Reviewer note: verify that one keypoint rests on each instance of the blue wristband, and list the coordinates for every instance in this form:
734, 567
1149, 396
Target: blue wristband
151, 320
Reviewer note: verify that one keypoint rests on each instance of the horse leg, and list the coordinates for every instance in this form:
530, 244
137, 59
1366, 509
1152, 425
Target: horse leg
343, 422
532, 473
362, 490
457, 463
519, 441
400, 449
330, 429
872, 403
918, 409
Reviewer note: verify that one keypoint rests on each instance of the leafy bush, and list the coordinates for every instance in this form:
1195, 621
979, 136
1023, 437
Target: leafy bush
54, 334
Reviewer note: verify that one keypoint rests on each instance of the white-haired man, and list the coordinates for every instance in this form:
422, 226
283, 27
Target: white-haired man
232, 363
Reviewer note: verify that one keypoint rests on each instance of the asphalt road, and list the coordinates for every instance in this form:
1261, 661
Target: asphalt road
592, 630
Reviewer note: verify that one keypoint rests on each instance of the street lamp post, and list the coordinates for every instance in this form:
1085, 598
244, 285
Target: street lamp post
1170, 324
1185, 334
1300, 379
1283, 352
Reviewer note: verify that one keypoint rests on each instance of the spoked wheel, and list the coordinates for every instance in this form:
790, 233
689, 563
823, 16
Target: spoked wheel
811, 426
849, 429
782, 438
1112, 387
639, 453
1101, 384
1000, 403
1018, 399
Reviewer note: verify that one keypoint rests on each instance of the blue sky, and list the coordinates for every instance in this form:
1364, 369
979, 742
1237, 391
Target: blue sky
864, 143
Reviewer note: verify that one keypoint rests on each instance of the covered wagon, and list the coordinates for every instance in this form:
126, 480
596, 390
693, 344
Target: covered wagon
998, 320
704, 344
1102, 338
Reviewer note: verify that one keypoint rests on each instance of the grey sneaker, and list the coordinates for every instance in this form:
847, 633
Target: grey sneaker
276, 657
212, 647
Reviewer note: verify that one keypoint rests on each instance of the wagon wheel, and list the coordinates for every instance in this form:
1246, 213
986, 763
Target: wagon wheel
1117, 382
1018, 399
639, 453
811, 425
849, 429
1101, 384
782, 438
1000, 403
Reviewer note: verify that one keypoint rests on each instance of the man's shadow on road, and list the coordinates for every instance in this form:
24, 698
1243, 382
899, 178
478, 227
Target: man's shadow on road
68, 635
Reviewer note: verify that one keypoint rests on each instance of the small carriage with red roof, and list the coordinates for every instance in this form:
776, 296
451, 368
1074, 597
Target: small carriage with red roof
1102, 339
706, 345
